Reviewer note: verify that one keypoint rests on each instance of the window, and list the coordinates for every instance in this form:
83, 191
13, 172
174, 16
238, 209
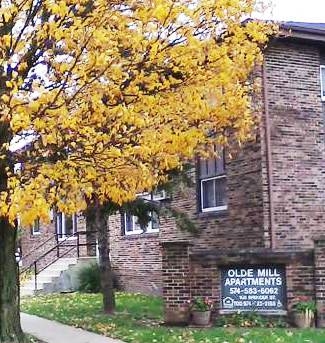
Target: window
66, 225
156, 195
132, 227
213, 184
322, 81
36, 228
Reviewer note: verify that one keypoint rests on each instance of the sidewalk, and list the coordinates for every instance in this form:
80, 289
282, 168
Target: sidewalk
54, 332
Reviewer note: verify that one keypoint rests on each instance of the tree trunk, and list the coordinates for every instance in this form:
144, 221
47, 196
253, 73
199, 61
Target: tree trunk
10, 329
91, 237
99, 222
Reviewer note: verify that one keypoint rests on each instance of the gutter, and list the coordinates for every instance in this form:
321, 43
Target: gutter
300, 29
301, 33
305, 36
269, 164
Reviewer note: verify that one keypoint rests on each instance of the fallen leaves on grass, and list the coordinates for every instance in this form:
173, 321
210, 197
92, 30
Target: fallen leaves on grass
138, 318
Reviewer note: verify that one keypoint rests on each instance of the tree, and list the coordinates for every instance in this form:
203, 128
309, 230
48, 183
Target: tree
144, 207
99, 100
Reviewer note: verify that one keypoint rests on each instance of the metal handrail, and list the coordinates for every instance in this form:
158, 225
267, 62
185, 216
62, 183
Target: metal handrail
45, 254
57, 247
37, 271
52, 262
39, 246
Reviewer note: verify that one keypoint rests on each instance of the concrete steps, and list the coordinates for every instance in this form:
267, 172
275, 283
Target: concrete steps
48, 277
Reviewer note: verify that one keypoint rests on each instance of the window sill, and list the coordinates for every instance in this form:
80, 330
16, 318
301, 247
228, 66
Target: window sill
67, 239
212, 214
141, 235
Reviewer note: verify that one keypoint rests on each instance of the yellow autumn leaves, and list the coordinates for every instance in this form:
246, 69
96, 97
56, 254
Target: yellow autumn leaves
110, 96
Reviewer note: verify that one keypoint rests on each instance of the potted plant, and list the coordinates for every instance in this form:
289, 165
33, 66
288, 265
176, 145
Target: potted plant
304, 312
201, 311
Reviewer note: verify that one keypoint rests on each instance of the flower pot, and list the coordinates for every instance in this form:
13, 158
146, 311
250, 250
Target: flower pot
178, 316
302, 320
201, 318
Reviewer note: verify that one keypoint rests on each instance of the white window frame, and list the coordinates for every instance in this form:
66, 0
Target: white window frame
62, 236
156, 195
161, 195
322, 82
217, 208
36, 233
136, 227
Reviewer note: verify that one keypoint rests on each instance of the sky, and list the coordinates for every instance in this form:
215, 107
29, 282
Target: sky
298, 10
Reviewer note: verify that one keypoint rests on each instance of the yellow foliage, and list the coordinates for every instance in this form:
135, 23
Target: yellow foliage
108, 96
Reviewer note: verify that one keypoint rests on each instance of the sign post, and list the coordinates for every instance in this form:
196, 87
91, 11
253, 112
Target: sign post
253, 288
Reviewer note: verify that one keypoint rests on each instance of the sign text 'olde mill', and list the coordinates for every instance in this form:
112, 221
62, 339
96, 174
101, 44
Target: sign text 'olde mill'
253, 288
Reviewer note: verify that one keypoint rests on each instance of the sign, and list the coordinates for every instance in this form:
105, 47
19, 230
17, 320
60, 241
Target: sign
253, 288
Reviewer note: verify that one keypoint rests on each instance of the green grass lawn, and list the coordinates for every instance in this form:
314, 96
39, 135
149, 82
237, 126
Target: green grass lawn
138, 320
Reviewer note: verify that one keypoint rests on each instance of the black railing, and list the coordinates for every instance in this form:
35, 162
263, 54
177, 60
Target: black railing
53, 237
63, 241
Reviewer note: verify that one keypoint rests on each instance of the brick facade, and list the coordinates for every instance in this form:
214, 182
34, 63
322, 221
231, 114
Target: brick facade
244, 230
320, 280
176, 280
34, 246
136, 259
297, 143
266, 223
30, 244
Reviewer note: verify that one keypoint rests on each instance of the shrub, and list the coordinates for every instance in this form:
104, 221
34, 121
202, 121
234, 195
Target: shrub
89, 279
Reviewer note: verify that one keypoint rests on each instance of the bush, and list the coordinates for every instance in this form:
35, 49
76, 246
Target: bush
89, 279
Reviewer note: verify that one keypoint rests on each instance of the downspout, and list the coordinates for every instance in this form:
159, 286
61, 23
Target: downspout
269, 165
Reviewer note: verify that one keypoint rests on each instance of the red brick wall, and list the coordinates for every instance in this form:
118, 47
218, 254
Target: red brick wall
187, 274
300, 281
239, 226
205, 280
320, 280
298, 155
30, 243
136, 259
34, 246
297, 140
176, 274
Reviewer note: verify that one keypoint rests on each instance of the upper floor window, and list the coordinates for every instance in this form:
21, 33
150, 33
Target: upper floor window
131, 226
213, 184
322, 81
66, 225
156, 195
36, 227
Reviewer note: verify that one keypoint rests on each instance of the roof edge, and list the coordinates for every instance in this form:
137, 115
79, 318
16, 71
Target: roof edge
298, 31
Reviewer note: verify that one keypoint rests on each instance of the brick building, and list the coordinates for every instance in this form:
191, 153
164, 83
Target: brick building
263, 209
44, 243
260, 214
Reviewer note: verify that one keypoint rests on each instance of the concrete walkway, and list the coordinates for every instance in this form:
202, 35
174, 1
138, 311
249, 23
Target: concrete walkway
54, 332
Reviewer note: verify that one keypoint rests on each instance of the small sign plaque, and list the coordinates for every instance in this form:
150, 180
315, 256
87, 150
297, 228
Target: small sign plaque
253, 288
